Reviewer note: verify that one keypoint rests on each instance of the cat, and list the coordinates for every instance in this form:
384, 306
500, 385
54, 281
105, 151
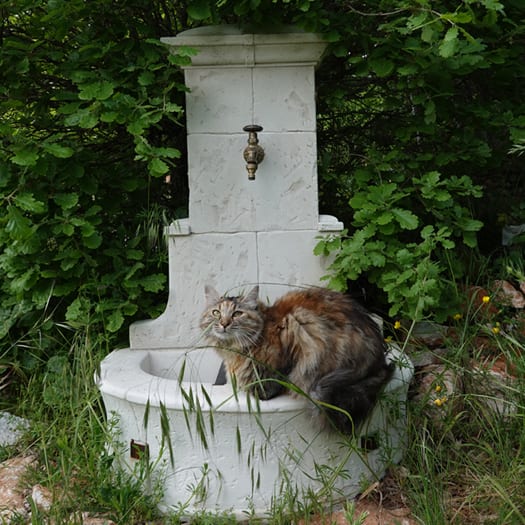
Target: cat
321, 341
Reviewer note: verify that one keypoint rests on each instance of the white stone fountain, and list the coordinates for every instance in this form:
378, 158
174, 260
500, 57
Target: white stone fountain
225, 453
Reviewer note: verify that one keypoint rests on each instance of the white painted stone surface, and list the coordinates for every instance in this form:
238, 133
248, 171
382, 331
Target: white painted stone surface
285, 259
239, 232
283, 196
251, 450
229, 45
219, 101
235, 80
228, 260
223, 100
284, 98
276, 260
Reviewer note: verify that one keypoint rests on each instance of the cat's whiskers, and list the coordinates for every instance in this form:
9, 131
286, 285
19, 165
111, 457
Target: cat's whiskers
247, 338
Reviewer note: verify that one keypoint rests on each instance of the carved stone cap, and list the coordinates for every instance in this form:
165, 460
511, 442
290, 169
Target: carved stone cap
230, 46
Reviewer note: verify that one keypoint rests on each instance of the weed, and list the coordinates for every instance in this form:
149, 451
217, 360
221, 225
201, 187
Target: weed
349, 513
464, 468
467, 464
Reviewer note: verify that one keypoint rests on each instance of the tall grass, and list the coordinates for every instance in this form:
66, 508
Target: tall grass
74, 443
463, 465
466, 463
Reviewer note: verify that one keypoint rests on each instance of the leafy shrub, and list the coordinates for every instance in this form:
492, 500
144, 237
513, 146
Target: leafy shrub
383, 247
417, 115
91, 108
419, 104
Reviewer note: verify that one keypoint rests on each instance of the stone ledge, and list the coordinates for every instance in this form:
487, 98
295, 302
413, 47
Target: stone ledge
230, 46
182, 227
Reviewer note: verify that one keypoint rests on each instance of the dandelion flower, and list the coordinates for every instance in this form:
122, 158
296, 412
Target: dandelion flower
438, 388
457, 317
486, 299
397, 325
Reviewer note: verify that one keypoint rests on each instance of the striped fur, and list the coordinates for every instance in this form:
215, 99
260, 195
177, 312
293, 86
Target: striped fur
322, 341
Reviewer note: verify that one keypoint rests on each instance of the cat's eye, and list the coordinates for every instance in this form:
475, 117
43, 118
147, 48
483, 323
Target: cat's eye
237, 313
216, 313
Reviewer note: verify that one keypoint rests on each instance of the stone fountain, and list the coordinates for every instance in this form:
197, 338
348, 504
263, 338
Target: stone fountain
253, 219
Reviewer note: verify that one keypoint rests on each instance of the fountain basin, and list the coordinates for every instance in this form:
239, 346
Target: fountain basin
217, 450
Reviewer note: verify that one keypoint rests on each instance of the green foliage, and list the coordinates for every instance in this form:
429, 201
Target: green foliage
418, 128
471, 443
467, 447
407, 267
74, 443
90, 107
419, 106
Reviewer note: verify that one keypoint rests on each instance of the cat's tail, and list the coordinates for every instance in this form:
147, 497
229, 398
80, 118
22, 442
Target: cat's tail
355, 398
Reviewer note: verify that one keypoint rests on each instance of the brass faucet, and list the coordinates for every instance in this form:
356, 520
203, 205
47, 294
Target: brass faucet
253, 153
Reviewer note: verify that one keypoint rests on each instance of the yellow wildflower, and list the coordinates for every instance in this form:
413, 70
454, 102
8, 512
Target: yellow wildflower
486, 299
397, 325
388, 339
438, 388
440, 401
457, 317
496, 329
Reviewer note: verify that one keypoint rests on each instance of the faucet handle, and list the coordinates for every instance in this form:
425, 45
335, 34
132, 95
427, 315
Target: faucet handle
253, 153
252, 128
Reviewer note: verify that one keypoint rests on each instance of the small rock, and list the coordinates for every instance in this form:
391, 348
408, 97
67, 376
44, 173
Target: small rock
496, 385
11, 428
508, 295
438, 388
421, 358
42, 497
430, 334
12, 495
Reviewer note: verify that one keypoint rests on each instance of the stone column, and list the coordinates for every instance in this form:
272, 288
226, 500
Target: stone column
240, 232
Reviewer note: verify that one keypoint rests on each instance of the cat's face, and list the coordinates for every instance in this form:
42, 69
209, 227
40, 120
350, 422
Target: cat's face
232, 321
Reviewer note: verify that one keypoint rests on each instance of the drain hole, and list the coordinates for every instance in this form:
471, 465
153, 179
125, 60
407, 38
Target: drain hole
369, 443
138, 450
221, 376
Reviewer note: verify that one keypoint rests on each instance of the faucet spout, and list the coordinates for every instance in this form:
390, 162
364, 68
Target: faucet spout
253, 153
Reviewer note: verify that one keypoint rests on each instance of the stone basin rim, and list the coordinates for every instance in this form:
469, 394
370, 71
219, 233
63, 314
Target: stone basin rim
129, 375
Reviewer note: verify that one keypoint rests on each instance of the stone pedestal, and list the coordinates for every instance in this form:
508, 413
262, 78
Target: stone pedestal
240, 232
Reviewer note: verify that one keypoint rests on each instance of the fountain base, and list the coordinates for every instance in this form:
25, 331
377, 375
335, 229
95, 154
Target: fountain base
216, 450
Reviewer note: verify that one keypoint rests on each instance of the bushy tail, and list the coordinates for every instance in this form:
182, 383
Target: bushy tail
357, 398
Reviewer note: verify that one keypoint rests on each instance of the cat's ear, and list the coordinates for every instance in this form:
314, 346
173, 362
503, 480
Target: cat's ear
212, 295
252, 297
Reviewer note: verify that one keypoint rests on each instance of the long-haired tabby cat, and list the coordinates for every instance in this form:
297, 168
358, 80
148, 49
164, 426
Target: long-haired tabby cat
322, 341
